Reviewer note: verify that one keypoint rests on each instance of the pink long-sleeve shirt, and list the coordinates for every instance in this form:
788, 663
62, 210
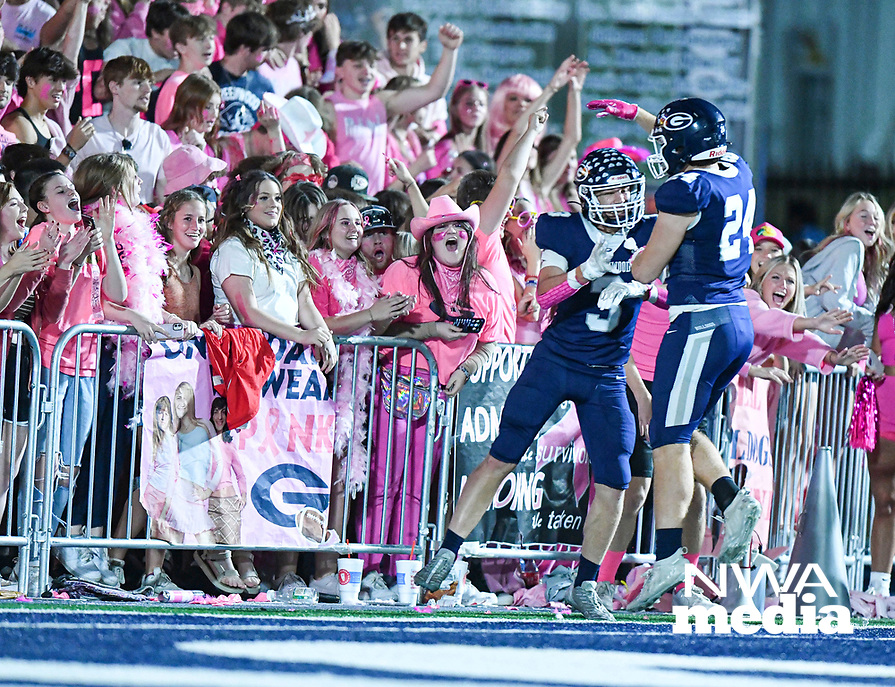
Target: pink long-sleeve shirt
774, 334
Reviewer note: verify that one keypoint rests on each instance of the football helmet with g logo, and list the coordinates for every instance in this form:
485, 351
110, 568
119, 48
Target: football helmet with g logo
611, 189
690, 129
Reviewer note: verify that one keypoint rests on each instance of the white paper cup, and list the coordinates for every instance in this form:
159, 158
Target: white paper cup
408, 591
351, 570
458, 573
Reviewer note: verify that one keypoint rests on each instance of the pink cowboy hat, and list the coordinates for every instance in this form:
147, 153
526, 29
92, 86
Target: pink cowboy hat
443, 210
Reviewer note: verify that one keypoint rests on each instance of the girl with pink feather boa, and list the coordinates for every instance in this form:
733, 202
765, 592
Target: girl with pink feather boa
182, 225
347, 295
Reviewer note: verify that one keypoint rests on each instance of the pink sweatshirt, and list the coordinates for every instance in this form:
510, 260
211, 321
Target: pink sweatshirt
493, 258
774, 334
403, 276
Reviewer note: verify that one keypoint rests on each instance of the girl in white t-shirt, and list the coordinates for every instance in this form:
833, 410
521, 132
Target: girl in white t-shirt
262, 271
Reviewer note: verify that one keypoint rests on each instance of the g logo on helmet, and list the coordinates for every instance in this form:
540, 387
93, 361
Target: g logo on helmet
677, 121
582, 172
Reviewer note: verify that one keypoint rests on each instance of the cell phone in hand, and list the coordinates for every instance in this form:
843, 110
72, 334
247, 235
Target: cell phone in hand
470, 325
173, 330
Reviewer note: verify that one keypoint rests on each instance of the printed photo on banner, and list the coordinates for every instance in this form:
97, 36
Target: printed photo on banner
264, 483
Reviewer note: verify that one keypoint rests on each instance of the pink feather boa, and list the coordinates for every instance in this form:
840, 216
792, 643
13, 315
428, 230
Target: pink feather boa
142, 252
351, 408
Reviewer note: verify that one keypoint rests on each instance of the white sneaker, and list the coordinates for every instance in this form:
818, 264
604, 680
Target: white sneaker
101, 558
80, 562
155, 582
374, 584
584, 599
116, 565
328, 584
740, 519
606, 592
876, 591
473, 597
696, 599
664, 575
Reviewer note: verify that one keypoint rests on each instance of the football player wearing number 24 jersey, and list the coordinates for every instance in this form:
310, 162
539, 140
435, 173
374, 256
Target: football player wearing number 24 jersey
702, 237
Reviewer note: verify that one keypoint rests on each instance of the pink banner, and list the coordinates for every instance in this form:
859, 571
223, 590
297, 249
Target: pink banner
752, 465
266, 483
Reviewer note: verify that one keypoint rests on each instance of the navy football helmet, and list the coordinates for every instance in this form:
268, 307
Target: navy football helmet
611, 189
686, 130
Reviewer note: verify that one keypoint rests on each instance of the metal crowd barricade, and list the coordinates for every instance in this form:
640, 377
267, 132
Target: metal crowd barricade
54, 469
644, 534
53, 534
19, 365
352, 346
814, 412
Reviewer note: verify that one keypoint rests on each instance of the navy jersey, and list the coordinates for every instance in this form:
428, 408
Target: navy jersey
581, 332
711, 264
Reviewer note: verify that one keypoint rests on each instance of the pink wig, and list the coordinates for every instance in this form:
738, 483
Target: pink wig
497, 123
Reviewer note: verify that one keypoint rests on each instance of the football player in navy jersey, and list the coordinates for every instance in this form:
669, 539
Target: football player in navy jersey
582, 358
701, 236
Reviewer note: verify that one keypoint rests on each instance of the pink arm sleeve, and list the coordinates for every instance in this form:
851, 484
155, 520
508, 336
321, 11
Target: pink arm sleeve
556, 295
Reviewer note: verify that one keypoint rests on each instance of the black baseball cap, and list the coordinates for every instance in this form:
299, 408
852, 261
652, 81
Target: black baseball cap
376, 217
349, 178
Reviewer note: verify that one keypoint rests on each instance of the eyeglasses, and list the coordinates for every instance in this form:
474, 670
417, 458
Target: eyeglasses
470, 82
126, 145
524, 219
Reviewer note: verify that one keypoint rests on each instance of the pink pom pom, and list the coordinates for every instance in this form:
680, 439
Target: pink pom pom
864, 427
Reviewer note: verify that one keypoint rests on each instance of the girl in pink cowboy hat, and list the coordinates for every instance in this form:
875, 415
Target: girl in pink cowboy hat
455, 302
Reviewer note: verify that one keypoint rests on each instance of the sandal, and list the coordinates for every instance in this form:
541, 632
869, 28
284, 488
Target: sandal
213, 565
245, 564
